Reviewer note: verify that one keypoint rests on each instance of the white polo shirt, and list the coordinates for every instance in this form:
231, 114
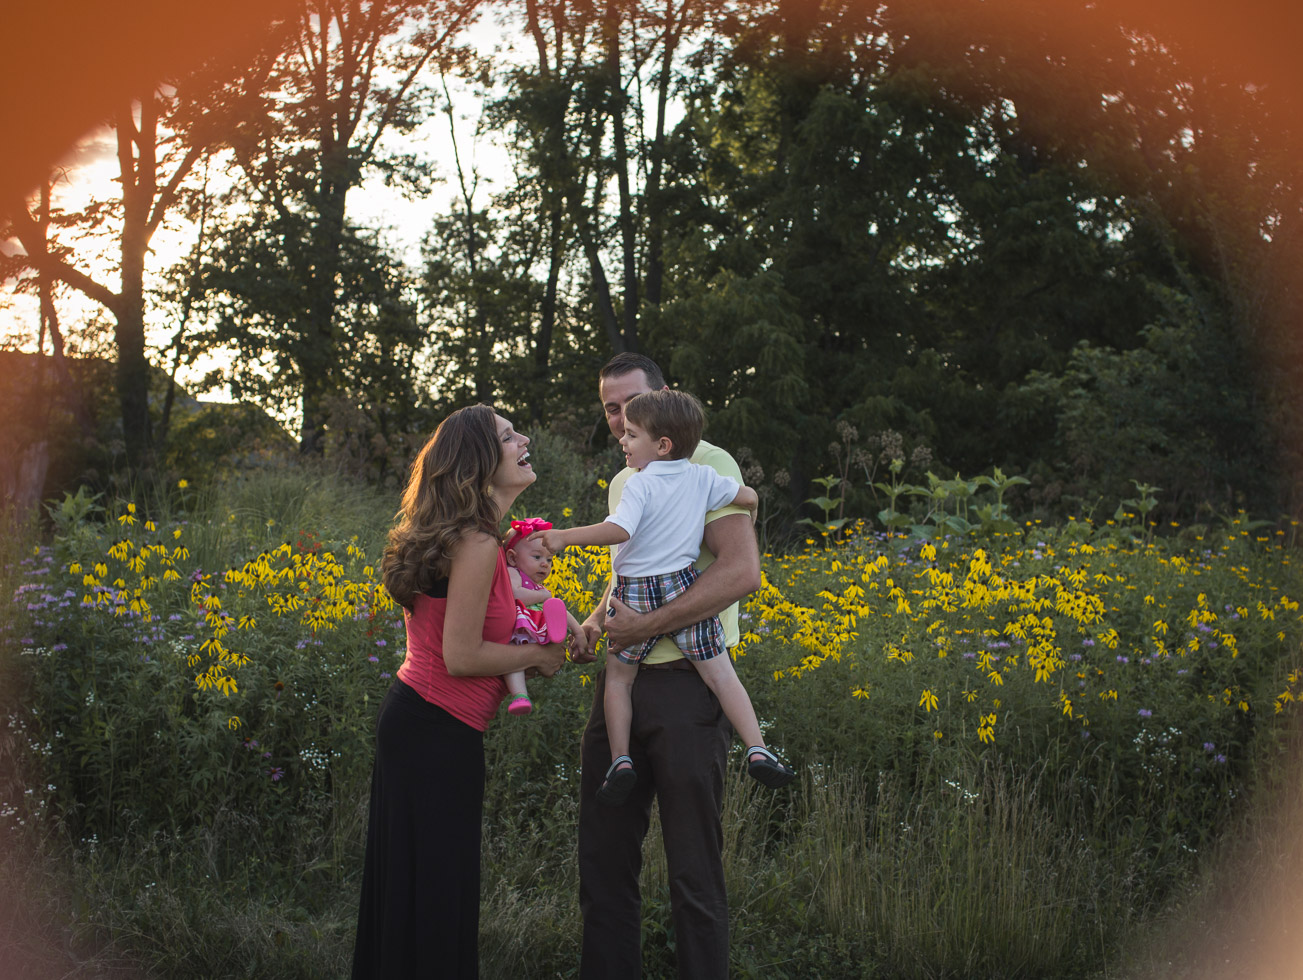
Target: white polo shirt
663, 508
724, 464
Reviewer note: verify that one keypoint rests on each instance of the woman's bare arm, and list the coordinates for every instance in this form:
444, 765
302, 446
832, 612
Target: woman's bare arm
465, 651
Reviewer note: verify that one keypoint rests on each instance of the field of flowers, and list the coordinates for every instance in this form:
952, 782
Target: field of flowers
1014, 748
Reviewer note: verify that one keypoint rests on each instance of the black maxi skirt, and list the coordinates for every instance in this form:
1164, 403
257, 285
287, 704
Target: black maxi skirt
419, 913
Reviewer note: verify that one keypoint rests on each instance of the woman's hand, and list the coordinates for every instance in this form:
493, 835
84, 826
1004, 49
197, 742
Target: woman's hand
554, 655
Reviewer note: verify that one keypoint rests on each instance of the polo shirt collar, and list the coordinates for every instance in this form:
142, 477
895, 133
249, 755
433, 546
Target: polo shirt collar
667, 467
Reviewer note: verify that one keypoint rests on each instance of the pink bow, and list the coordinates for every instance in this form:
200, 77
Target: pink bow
523, 529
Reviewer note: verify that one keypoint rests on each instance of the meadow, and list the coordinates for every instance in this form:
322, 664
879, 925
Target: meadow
1025, 751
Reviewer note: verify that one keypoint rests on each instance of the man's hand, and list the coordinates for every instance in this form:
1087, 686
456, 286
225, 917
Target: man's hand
624, 627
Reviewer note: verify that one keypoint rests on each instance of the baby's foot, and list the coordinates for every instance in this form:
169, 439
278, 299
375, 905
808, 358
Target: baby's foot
520, 705
554, 618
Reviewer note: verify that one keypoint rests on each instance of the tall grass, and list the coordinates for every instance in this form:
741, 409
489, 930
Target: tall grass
910, 848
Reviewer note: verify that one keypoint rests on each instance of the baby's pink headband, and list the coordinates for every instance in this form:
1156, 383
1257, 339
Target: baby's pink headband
523, 529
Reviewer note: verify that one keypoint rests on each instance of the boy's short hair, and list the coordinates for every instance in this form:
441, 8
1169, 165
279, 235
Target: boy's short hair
627, 363
675, 415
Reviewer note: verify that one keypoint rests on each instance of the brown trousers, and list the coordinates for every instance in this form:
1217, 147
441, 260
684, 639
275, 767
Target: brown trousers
678, 742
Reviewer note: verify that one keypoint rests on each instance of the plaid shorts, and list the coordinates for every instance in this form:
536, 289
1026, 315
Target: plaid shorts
700, 641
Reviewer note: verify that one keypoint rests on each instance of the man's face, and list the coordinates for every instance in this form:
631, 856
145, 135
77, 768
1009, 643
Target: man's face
616, 393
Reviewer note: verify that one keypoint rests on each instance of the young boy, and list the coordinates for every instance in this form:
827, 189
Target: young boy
657, 529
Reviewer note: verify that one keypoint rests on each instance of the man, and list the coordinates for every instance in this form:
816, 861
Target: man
679, 741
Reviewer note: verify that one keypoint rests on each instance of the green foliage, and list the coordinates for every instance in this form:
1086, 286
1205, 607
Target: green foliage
264, 272
207, 442
827, 505
1173, 411
899, 854
971, 515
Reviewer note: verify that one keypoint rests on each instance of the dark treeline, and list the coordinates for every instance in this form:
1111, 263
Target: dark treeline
934, 230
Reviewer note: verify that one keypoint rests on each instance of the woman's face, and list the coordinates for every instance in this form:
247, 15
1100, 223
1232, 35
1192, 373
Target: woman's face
514, 472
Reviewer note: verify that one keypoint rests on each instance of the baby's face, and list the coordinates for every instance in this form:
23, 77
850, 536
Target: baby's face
533, 560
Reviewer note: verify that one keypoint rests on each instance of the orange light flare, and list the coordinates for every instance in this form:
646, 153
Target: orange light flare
68, 64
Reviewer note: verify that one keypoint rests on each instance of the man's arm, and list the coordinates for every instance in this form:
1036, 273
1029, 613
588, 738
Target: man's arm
733, 575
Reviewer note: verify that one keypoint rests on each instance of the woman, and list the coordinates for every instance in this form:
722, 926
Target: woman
419, 914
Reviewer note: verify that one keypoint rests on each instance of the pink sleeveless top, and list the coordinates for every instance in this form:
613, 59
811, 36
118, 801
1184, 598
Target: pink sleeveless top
472, 700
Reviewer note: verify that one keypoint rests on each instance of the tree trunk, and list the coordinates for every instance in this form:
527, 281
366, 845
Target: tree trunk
628, 230
653, 204
319, 343
547, 319
136, 163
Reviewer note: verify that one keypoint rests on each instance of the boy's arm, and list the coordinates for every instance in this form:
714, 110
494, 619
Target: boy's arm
590, 534
748, 498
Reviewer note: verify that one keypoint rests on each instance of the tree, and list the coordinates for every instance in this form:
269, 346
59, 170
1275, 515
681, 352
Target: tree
260, 276
865, 234
352, 73
590, 125
161, 132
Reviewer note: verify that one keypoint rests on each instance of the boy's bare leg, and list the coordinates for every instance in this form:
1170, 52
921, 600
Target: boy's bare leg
722, 679
618, 704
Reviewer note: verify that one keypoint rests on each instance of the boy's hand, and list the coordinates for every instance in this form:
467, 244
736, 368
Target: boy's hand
548, 539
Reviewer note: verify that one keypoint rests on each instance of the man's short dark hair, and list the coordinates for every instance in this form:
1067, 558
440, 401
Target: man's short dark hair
627, 363
676, 415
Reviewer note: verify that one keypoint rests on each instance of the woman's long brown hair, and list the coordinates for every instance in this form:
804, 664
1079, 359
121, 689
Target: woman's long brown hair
448, 494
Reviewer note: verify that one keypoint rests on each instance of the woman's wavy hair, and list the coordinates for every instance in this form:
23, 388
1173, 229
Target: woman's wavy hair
448, 494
